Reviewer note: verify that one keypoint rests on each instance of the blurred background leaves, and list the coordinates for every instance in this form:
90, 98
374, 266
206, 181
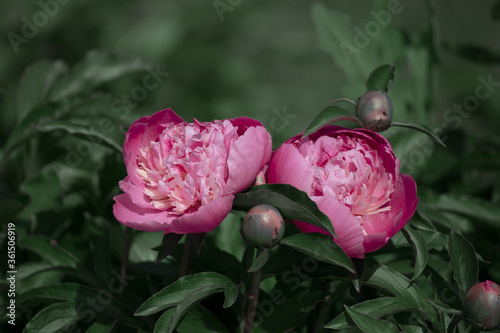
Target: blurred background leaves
71, 90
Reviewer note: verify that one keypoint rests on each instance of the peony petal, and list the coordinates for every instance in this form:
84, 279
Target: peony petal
248, 155
404, 198
131, 215
403, 205
373, 139
243, 123
288, 166
143, 131
136, 194
155, 122
374, 242
205, 219
346, 226
131, 146
382, 222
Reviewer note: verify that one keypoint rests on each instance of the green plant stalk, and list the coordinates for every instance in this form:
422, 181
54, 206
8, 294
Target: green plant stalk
323, 313
435, 138
343, 100
186, 257
127, 239
253, 299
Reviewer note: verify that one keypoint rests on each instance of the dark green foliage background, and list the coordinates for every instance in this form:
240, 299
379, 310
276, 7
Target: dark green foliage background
264, 59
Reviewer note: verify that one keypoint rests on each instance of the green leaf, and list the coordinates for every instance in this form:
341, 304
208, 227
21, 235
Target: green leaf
163, 323
24, 129
178, 291
284, 313
290, 201
53, 318
82, 131
495, 11
421, 222
44, 191
321, 247
327, 116
448, 292
464, 262
370, 324
197, 240
259, 261
200, 320
435, 240
28, 269
419, 246
193, 299
80, 294
375, 308
480, 209
103, 326
168, 244
409, 322
50, 251
57, 256
357, 277
35, 83
99, 243
96, 68
380, 78
231, 294
421, 128
212, 259
386, 278
442, 307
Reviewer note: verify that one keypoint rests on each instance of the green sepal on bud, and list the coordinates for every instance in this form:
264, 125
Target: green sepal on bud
263, 227
482, 305
374, 110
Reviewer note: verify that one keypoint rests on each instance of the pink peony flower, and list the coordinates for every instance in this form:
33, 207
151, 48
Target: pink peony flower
353, 176
182, 177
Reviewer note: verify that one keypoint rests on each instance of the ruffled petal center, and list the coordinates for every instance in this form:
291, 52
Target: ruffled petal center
348, 169
186, 167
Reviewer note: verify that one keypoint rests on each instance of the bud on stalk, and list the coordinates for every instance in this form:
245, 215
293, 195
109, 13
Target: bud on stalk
482, 305
374, 110
263, 227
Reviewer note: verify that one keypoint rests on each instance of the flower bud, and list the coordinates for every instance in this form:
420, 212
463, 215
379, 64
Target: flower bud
482, 305
374, 110
263, 227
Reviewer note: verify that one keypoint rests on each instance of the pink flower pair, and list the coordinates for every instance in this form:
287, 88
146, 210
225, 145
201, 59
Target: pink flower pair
182, 178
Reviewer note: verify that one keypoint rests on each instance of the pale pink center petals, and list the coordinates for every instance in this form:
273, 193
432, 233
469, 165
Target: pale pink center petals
187, 166
349, 170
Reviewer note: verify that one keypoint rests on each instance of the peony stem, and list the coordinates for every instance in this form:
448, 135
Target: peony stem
253, 298
324, 309
343, 100
186, 257
125, 254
